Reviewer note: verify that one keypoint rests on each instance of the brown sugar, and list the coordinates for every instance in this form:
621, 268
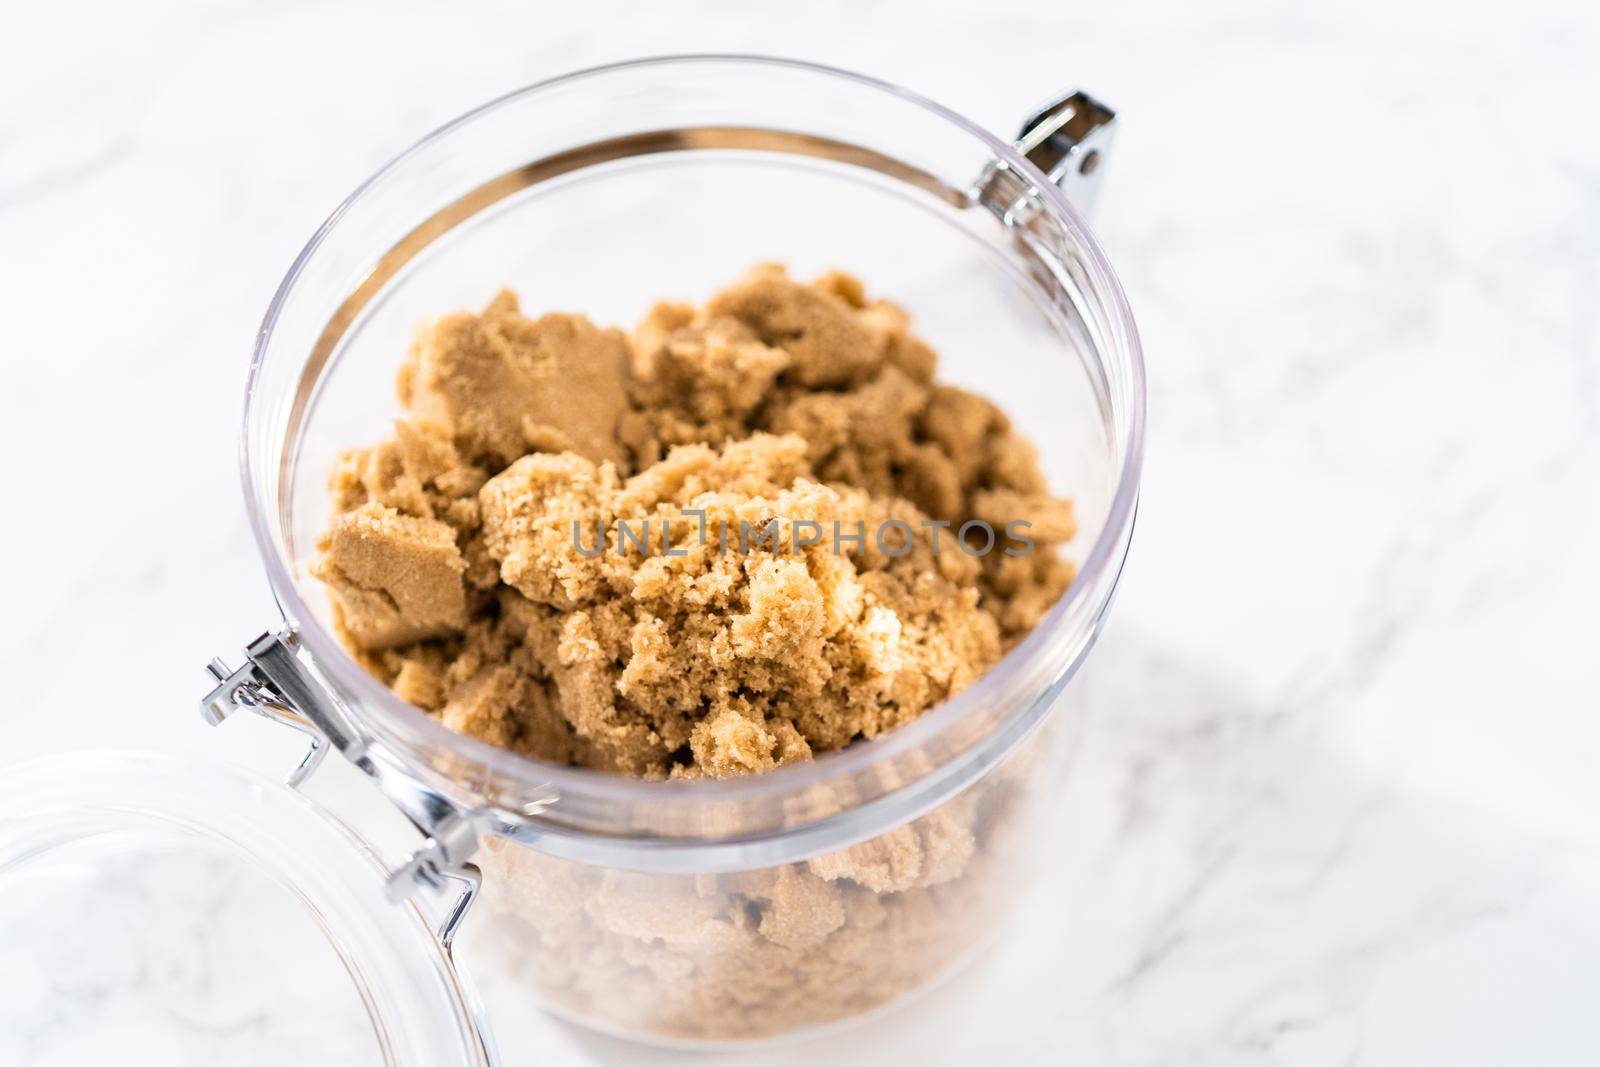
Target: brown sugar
505, 384
478, 560
743, 535
398, 575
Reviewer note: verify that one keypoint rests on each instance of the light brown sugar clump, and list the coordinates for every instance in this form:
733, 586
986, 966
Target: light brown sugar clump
504, 384
486, 563
726, 661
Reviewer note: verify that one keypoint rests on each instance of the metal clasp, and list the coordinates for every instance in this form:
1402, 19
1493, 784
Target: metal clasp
1068, 140
249, 687
275, 684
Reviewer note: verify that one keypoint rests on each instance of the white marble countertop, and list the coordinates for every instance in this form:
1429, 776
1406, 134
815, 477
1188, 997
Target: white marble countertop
1339, 800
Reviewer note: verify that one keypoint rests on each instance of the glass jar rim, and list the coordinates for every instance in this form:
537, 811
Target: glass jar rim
401, 721
419, 1003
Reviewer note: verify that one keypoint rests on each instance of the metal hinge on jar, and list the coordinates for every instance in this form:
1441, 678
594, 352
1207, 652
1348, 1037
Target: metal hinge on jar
274, 683
1068, 140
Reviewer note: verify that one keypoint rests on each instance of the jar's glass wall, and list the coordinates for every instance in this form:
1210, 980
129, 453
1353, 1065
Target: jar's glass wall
751, 954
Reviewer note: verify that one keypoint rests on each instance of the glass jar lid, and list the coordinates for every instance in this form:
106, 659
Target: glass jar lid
171, 905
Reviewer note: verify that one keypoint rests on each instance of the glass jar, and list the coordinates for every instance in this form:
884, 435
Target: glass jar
739, 908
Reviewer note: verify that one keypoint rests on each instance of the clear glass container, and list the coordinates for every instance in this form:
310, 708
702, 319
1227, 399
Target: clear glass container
742, 908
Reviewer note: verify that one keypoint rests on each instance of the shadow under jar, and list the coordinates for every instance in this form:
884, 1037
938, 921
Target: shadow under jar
738, 908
